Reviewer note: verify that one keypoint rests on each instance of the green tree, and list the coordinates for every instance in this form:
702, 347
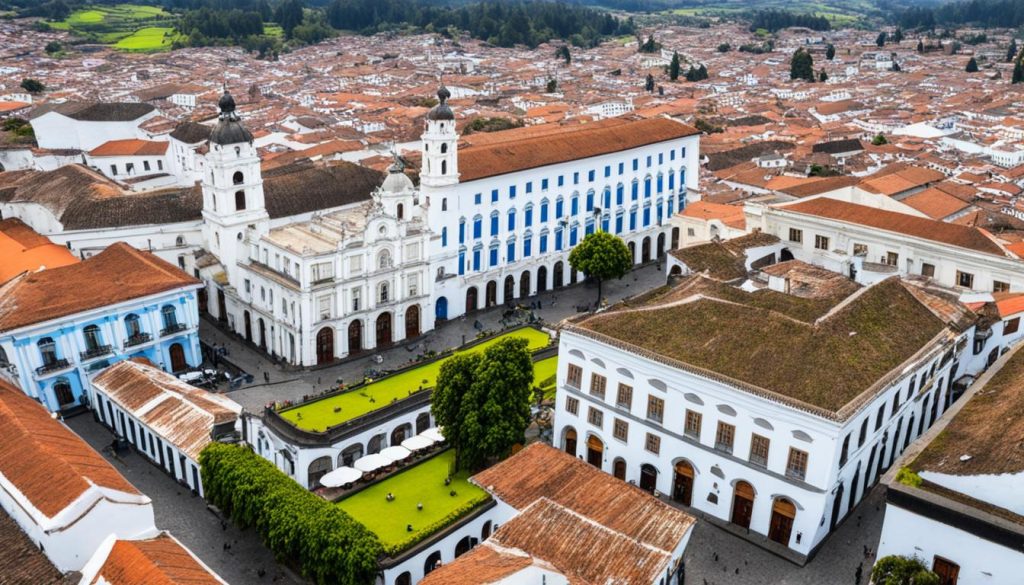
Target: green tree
650, 45
673, 67
702, 72
724, 48
880, 41
830, 52
483, 402
601, 256
649, 83
822, 76
552, 86
563, 53
920, 46
801, 66
32, 85
53, 47
1011, 51
879, 140
899, 570
1018, 72
289, 15
972, 66
897, 36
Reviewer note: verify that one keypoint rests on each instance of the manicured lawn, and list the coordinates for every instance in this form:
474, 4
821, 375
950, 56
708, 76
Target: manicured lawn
319, 415
421, 484
148, 39
544, 375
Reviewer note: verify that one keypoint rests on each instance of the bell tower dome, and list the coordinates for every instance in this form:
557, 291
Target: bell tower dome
440, 141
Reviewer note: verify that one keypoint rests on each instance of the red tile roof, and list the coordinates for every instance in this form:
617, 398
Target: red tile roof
117, 274
130, 147
531, 150
960, 236
44, 460
936, 203
157, 561
23, 249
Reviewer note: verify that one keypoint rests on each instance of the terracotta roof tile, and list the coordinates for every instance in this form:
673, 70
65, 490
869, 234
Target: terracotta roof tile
929, 229
44, 460
935, 203
116, 274
21, 561
130, 147
157, 561
579, 142
23, 249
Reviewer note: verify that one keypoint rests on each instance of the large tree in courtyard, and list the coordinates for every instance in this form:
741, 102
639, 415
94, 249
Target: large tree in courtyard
483, 402
601, 256
898, 570
801, 66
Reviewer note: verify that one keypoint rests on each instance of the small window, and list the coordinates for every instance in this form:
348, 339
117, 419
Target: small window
863, 432
655, 409
113, 169
693, 421
796, 235
928, 270
575, 377
384, 292
880, 417
860, 249
595, 417
821, 242
572, 405
796, 467
759, 450
1011, 325
145, 165
845, 453
653, 443
1000, 286
624, 398
724, 437
239, 200
621, 430
597, 385
891, 258
129, 167
964, 279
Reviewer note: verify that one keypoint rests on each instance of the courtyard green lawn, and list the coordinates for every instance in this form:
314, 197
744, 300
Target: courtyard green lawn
420, 484
544, 375
319, 415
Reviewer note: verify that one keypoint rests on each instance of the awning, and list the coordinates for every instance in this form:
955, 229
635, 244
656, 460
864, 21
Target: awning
416, 443
395, 453
340, 477
371, 463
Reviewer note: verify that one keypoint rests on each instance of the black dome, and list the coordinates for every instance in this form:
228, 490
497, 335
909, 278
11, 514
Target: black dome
442, 111
229, 129
226, 103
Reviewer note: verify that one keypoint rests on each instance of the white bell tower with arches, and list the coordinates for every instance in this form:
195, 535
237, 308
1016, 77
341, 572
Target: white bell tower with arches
440, 144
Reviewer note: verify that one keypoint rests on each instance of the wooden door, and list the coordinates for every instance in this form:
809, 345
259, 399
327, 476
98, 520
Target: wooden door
595, 451
178, 362
781, 526
355, 337
412, 322
570, 442
648, 478
325, 346
248, 327
510, 289
742, 504
619, 469
947, 570
471, 300
682, 486
384, 330
63, 392
492, 294
222, 306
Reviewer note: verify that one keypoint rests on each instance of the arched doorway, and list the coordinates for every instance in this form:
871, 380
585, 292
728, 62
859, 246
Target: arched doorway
785, 255
248, 326
441, 309
355, 337
222, 306
263, 333
682, 483
676, 270
384, 329
485, 532
837, 503
320, 467
178, 362
491, 297
422, 422
471, 300
648, 478
350, 454
404, 579
619, 468
853, 490
661, 245
524, 284
432, 562
569, 441
510, 289
632, 252
376, 443
675, 238
324, 346
203, 300
542, 279
63, 393
401, 433
595, 451
742, 504
645, 250
557, 274
781, 527
463, 546
412, 322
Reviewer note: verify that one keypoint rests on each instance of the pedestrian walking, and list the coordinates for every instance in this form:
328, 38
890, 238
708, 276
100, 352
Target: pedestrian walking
859, 574
266, 377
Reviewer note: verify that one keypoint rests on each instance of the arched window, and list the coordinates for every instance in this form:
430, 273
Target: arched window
444, 167
444, 237
92, 337
239, 200
179, 241
383, 292
384, 259
444, 204
478, 223
494, 222
462, 230
48, 350
170, 317
401, 211
238, 151
444, 148
512, 219
131, 325
238, 178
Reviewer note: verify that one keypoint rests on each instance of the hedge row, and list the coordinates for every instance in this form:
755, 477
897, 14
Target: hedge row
296, 525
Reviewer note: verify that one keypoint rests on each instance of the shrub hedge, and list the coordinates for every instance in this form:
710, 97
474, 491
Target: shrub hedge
298, 526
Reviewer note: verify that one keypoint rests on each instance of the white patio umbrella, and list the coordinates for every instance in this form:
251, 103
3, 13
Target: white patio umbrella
434, 434
416, 443
395, 453
371, 463
340, 477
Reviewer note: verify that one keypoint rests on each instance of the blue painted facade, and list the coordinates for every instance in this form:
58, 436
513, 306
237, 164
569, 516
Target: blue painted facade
55, 361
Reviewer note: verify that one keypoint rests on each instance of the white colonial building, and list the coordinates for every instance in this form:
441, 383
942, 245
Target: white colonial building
682, 395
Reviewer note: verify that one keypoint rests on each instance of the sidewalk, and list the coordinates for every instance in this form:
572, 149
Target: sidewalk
292, 384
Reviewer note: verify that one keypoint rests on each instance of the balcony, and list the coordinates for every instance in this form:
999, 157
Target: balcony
138, 339
172, 329
95, 352
53, 366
